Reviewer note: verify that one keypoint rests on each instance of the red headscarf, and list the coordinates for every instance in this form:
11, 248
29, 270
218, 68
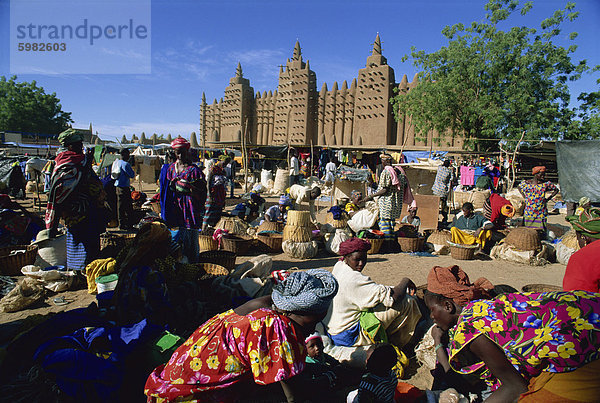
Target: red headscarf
180, 142
538, 169
453, 282
353, 245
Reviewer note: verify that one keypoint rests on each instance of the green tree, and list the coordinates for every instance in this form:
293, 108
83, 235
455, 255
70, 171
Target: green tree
493, 84
26, 107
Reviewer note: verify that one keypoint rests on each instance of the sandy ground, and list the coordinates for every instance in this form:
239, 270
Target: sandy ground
386, 269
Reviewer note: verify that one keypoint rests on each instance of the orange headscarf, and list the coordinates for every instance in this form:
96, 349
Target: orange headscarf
453, 283
538, 169
507, 210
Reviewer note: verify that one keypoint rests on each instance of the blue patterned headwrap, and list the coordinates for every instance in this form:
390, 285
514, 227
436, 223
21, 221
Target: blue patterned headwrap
308, 291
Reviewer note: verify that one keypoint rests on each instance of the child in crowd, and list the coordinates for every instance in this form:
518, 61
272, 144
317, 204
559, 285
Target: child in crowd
379, 383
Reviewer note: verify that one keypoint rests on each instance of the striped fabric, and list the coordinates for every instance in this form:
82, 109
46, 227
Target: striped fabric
380, 389
387, 227
82, 248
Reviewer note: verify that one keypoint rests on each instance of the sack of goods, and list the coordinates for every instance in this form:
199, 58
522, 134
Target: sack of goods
300, 250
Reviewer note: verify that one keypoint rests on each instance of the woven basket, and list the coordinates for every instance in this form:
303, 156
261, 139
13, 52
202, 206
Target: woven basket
462, 252
223, 258
440, 237
270, 226
206, 242
375, 245
236, 244
10, 265
541, 288
233, 225
115, 240
342, 223
272, 242
201, 271
297, 233
299, 218
525, 239
411, 244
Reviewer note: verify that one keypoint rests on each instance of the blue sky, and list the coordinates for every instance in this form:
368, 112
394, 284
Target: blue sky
196, 45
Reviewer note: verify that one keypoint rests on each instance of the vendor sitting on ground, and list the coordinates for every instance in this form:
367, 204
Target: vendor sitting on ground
354, 204
411, 218
469, 228
249, 210
305, 194
253, 351
497, 209
278, 212
583, 268
363, 310
530, 347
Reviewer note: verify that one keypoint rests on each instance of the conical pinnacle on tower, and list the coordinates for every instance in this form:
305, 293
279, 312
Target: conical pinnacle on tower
203, 98
376, 46
297, 52
238, 71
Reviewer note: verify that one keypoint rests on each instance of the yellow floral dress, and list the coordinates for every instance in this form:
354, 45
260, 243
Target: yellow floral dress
551, 332
262, 346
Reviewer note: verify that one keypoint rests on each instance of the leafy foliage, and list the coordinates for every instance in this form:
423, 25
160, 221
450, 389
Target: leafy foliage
26, 107
493, 84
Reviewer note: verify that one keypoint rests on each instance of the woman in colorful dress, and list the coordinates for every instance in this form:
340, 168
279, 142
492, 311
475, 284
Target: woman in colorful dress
76, 195
215, 203
537, 346
187, 193
534, 192
392, 191
258, 343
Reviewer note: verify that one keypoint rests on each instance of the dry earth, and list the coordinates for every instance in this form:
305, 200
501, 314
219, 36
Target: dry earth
386, 269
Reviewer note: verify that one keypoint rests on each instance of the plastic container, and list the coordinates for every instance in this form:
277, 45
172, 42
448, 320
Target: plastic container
106, 283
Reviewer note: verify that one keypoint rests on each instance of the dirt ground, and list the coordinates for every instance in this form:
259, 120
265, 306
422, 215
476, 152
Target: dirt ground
387, 269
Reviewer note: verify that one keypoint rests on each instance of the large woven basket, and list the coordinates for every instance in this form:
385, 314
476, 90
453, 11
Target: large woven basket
411, 244
341, 223
296, 233
233, 225
525, 239
115, 240
375, 245
440, 237
541, 288
299, 218
10, 265
206, 242
272, 242
270, 226
462, 252
237, 244
223, 258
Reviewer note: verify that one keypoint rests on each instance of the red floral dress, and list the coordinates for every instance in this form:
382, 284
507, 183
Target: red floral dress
262, 346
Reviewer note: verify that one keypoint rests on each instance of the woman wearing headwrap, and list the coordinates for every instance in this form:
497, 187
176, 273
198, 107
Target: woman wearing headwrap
537, 346
184, 195
364, 312
354, 204
392, 191
216, 181
534, 192
258, 343
583, 269
76, 195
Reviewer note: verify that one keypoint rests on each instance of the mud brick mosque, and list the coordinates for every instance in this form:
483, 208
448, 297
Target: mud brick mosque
296, 113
